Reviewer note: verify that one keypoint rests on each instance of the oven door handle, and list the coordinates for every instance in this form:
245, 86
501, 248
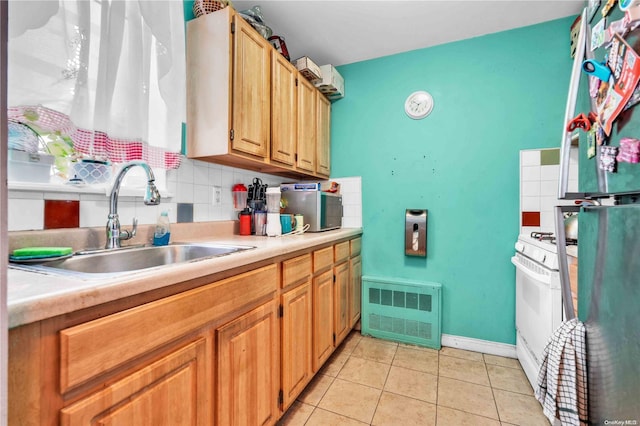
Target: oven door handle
533, 275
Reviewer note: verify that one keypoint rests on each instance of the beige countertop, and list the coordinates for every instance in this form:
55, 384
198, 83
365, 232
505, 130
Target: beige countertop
35, 296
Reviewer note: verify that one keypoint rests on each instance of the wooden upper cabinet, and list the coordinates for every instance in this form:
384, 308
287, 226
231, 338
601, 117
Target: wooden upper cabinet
247, 106
307, 125
251, 90
283, 110
323, 159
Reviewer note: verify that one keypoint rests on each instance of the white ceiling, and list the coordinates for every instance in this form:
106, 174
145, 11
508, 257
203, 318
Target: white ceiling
343, 32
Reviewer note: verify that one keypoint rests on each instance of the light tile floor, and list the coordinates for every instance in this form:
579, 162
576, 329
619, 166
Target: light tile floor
369, 381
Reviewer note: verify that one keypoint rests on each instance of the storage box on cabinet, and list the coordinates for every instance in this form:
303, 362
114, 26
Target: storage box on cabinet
309, 70
332, 83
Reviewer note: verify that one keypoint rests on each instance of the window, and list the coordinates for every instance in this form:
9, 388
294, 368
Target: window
101, 82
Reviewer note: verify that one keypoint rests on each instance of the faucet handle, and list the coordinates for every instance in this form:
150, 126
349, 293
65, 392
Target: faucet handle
127, 235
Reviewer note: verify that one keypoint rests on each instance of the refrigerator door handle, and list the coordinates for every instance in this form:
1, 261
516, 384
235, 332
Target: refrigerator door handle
563, 262
570, 109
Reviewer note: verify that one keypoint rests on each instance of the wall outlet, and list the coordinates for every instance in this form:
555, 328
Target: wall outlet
216, 200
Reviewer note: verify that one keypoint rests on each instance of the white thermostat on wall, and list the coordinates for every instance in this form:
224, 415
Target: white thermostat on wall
418, 104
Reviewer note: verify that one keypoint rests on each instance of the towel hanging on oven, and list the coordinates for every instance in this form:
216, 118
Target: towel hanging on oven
562, 379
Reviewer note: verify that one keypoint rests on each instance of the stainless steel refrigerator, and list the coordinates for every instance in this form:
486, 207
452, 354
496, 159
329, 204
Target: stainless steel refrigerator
608, 243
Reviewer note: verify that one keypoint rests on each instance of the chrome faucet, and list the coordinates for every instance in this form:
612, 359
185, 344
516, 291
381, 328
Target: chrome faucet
151, 198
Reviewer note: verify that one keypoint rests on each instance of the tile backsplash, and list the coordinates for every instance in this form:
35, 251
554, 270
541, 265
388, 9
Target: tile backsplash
191, 197
539, 173
351, 190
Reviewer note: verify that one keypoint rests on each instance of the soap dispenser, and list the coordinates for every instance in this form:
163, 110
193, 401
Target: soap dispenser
163, 232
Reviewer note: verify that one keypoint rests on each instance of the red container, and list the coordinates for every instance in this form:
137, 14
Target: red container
278, 43
245, 222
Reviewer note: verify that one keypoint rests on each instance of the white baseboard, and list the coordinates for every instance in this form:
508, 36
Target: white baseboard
477, 345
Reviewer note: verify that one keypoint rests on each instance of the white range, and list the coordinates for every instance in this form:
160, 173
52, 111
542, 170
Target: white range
538, 298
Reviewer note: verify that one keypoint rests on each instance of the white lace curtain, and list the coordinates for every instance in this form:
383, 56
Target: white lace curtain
110, 74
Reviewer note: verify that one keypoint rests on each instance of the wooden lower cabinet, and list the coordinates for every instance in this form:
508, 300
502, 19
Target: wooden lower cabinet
355, 296
322, 318
342, 321
237, 351
297, 332
172, 391
248, 369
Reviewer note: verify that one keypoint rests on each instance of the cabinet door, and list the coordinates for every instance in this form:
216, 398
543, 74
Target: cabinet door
307, 125
342, 321
355, 297
323, 159
322, 318
296, 342
283, 110
248, 368
251, 91
171, 391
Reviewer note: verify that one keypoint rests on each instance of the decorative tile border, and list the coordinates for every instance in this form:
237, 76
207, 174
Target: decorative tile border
61, 214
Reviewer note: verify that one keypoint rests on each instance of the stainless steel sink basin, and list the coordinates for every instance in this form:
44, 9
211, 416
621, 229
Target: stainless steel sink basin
135, 259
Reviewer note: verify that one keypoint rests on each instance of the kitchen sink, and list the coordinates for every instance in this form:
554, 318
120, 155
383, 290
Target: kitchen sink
134, 259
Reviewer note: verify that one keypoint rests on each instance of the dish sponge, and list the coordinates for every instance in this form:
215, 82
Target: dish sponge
40, 252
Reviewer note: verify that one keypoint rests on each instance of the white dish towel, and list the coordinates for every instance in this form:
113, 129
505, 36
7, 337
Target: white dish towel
562, 379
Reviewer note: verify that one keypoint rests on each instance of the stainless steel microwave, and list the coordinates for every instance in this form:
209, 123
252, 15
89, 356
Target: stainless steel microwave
321, 210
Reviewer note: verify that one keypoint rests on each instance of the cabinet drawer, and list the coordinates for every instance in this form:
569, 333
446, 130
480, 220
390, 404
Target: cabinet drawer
90, 349
356, 245
322, 259
341, 251
295, 270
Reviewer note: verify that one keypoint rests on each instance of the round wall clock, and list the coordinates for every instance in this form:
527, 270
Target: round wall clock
418, 104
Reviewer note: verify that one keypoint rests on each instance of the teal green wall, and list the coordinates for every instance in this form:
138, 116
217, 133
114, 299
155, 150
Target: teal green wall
494, 95
188, 10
